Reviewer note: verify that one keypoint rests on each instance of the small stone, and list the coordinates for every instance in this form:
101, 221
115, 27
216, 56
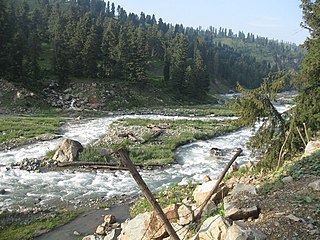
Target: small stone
100, 230
76, 233
287, 179
209, 208
294, 218
89, 237
187, 201
310, 226
113, 234
315, 185
109, 219
315, 231
206, 178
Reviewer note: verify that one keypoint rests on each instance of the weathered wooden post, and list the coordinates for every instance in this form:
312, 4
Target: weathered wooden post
147, 193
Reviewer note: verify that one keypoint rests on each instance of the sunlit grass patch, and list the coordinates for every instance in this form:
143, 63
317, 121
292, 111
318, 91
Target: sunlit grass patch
22, 128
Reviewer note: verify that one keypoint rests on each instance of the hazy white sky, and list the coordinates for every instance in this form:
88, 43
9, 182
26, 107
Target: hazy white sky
275, 19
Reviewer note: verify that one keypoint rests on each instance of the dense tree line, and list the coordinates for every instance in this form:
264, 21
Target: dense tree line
95, 39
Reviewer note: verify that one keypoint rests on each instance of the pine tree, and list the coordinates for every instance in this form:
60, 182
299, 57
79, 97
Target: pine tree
3, 38
60, 59
308, 101
167, 64
109, 47
200, 80
256, 106
179, 63
90, 53
34, 46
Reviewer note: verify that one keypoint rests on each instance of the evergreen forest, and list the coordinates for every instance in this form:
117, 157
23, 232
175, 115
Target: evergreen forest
75, 39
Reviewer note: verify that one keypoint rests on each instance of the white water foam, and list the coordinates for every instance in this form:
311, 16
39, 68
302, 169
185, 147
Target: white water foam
193, 162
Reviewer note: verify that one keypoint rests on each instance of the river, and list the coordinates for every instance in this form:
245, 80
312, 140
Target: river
25, 188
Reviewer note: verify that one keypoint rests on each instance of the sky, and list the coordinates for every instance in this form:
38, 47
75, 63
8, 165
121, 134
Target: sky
275, 19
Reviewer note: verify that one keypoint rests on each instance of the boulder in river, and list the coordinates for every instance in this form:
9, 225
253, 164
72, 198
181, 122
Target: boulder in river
68, 151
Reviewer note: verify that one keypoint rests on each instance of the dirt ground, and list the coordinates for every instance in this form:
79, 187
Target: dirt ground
289, 213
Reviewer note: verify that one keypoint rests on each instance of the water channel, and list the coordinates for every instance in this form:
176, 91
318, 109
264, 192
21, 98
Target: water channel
193, 162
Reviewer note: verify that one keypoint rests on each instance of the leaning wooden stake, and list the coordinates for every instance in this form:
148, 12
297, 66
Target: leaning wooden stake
214, 189
282, 147
147, 193
304, 142
306, 131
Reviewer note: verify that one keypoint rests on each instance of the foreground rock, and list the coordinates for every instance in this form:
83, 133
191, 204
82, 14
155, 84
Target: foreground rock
185, 215
315, 185
202, 191
213, 228
237, 205
135, 228
311, 148
68, 151
156, 228
243, 231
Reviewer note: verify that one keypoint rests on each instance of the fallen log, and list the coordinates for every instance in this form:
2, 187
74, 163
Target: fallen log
104, 165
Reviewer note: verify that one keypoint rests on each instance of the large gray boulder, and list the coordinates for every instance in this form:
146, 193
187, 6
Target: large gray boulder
237, 205
202, 191
156, 228
135, 228
243, 231
182, 232
213, 228
185, 215
244, 188
68, 151
315, 185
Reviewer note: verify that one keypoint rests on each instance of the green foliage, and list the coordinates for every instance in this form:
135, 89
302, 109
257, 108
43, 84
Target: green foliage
307, 82
241, 172
180, 133
256, 106
161, 149
13, 129
50, 154
35, 228
91, 154
271, 185
309, 165
173, 194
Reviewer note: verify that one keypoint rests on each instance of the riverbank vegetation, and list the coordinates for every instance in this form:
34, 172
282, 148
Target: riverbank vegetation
34, 225
17, 130
154, 141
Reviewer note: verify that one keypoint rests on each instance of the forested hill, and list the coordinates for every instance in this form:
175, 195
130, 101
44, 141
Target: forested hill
78, 39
